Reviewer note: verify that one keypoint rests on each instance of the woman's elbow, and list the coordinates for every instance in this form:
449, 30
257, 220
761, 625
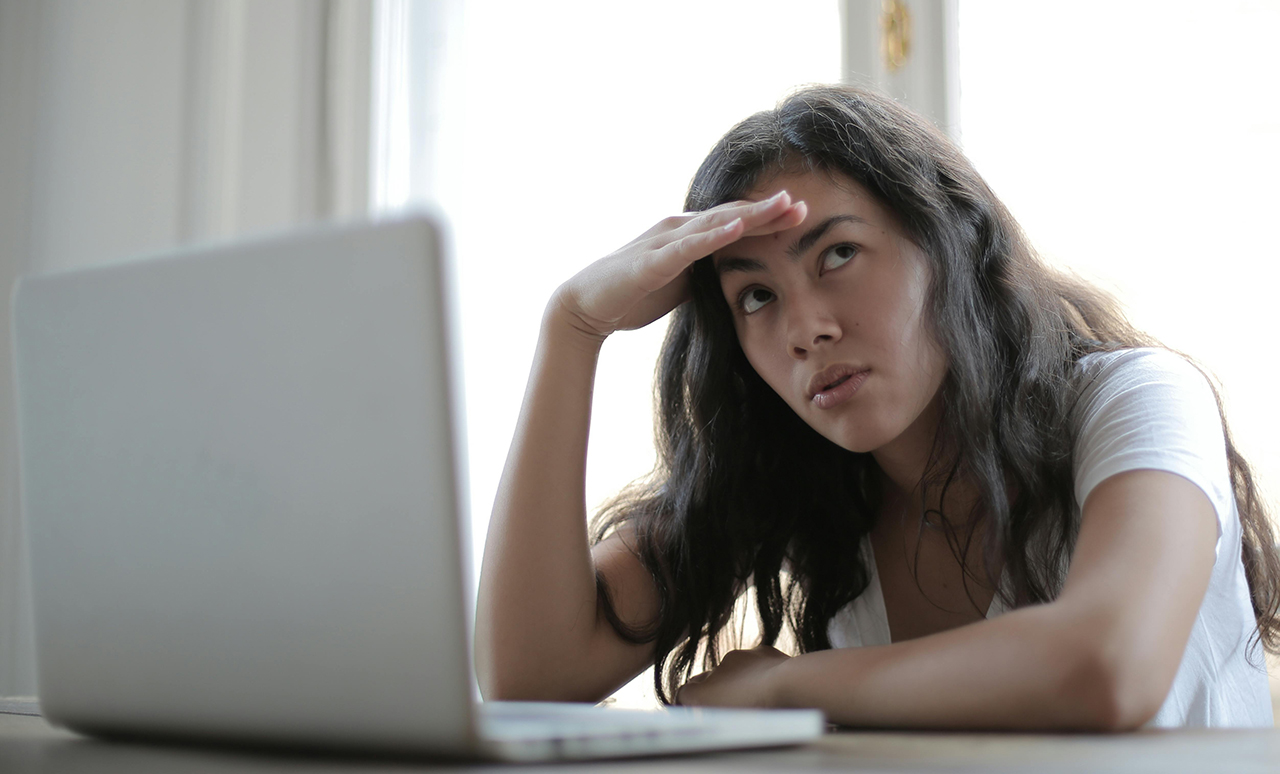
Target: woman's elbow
508, 678
505, 682
501, 675
516, 678
502, 686
1116, 689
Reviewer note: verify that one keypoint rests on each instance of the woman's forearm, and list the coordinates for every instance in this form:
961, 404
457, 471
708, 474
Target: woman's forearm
1102, 656
536, 607
1033, 668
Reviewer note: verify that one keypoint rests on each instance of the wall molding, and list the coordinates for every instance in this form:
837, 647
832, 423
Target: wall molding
929, 79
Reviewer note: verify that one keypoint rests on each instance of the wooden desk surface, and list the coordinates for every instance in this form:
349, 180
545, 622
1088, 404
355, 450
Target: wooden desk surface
28, 745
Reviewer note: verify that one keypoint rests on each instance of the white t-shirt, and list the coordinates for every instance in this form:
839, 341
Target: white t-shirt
1149, 409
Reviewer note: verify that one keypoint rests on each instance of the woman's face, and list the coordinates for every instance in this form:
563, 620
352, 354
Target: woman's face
831, 314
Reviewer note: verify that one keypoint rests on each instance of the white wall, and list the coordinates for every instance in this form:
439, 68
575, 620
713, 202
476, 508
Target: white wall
133, 125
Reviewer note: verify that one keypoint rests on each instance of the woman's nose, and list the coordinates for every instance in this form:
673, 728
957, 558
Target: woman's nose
810, 325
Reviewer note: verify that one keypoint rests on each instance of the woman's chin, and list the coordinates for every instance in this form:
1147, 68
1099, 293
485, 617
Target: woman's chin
857, 440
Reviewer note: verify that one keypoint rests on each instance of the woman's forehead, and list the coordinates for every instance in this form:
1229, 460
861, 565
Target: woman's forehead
835, 204
829, 201
819, 188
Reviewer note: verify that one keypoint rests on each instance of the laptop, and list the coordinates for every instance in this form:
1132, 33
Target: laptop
242, 490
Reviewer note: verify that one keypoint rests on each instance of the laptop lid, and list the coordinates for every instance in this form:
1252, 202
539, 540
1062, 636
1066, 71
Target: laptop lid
241, 492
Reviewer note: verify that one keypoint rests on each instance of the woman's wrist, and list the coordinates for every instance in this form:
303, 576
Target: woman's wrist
561, 325
778, 683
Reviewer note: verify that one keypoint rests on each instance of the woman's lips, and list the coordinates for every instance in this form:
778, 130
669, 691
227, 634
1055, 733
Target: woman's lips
835, 386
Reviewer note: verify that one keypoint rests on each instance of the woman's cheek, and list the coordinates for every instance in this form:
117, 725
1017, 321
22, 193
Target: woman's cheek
766, 365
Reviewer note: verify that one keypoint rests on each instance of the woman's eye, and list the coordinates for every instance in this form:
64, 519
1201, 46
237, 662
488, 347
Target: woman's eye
753, 299
838, 256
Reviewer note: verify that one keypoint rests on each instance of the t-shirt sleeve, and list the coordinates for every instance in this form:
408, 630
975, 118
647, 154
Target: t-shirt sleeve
1150, 409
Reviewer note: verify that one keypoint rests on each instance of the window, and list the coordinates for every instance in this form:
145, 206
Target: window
1133, 141
1138, 144
567, 128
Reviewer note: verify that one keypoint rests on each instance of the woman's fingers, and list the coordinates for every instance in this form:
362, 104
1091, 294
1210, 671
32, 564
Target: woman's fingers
668, 262
684, 224
703, 236
790, 218
753, 215
648, 277
682, 692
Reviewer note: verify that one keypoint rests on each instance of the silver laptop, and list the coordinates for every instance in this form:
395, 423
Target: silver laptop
242, 495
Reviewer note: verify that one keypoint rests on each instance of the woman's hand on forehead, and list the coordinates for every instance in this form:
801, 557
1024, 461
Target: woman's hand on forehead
725, 213
648, 277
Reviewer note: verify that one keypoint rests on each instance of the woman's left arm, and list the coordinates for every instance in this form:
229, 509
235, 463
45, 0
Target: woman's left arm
1100, 657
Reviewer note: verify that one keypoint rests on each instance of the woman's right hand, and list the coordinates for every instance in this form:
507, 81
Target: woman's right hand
648, 277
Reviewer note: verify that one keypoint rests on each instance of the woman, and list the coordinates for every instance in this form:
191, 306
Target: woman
882, 415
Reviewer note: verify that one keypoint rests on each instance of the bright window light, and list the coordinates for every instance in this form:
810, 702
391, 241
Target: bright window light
565, 129
1139, 144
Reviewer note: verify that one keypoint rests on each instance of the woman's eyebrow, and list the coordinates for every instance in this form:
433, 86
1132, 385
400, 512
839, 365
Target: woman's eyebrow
811, 236
797, 248
726, 265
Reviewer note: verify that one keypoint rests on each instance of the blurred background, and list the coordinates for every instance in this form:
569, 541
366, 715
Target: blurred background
1137, 141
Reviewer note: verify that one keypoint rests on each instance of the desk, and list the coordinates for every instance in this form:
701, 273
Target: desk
28, 745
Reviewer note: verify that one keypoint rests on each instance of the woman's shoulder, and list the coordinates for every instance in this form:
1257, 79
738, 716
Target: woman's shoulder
1149, 408
1147, 383
1141, 378
1137, 362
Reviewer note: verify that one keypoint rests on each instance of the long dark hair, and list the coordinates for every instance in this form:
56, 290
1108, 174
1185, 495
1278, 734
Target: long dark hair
717, 518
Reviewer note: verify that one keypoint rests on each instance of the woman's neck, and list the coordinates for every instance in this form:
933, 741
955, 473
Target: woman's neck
905, 459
